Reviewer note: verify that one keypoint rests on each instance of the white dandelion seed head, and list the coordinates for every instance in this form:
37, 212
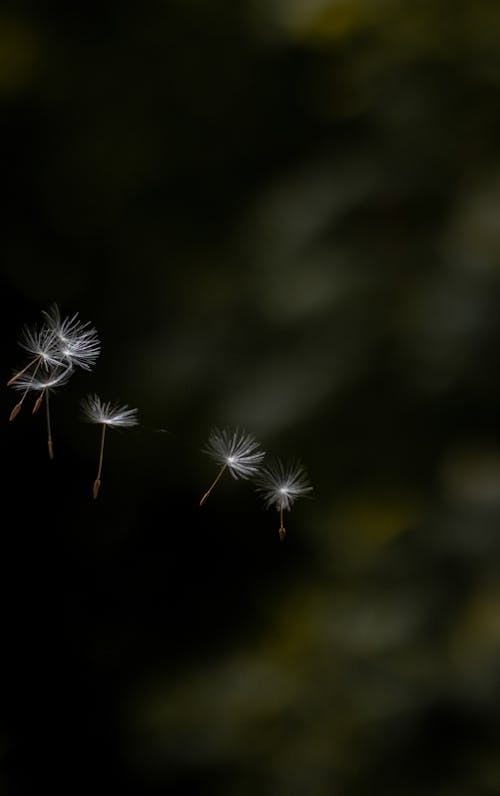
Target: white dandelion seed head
43, 379
236, 449
97, 411
281, 483
41, 343
78, 341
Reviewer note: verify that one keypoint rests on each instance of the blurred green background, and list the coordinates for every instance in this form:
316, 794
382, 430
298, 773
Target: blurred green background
281, 215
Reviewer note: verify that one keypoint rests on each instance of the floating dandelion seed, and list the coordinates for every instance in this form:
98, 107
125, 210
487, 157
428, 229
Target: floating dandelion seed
234, 450
44, 382
106, 414
56, 347
280, 484
42, 345
77, 340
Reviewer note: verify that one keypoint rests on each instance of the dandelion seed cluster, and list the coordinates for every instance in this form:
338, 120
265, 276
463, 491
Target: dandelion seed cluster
55, 348
59, 345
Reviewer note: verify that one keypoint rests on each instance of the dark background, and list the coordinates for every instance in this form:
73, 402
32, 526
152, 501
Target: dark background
285, 216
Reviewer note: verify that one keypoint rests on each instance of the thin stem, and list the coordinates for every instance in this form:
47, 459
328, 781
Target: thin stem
49, 429
205, 496
282, 531
17, 407
26, 367
97, 482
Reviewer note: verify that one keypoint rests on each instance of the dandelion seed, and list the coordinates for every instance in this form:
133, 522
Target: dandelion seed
106, 414
42, 344
43, 383
56, 347
233, 450
77, 341
280, 484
